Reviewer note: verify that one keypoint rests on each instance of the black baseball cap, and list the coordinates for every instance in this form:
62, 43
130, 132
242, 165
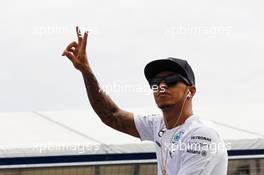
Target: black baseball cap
176, 65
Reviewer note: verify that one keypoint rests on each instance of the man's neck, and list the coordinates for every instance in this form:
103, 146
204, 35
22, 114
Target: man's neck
173, 116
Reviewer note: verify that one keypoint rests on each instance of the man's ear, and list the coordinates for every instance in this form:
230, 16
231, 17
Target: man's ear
192, 90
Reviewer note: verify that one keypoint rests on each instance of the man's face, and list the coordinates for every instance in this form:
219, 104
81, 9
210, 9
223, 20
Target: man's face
167, 96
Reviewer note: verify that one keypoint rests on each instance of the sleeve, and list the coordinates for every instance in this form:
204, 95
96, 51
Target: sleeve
145, 126
205, 154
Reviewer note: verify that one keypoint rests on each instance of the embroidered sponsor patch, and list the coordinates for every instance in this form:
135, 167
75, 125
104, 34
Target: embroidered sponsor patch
177, 136
161, 132
201, 138
202, 152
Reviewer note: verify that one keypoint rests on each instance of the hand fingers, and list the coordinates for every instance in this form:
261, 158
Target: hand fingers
84, 42
79, 35
69, 55
72, 44
71, 50
74, 51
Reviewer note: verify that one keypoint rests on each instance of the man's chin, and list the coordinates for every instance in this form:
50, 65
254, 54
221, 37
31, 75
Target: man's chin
165, 105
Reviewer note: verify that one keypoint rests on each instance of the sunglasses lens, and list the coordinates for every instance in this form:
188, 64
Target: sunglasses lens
154, 82
172, 80
169, 80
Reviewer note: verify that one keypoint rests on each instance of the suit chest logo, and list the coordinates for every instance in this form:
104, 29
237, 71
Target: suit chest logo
177, 136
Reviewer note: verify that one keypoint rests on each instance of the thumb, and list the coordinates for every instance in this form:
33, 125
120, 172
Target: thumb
69, 55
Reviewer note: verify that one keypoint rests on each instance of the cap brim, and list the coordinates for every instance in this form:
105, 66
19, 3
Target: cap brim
157, 66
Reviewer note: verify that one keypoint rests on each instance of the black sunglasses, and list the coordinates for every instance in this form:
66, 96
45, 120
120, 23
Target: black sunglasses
170, 80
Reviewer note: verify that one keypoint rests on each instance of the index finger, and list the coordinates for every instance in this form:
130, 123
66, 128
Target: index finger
79, 34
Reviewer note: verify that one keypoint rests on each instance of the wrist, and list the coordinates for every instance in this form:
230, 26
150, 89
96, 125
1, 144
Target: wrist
86, 69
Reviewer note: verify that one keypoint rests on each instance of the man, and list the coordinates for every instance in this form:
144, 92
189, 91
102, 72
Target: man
185, 144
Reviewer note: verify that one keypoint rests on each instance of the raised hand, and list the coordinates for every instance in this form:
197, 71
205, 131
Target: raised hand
76, 52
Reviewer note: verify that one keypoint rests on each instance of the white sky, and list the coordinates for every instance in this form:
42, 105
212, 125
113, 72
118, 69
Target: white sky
222, 40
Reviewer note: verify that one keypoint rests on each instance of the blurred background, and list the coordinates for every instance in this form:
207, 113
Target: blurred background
222, 41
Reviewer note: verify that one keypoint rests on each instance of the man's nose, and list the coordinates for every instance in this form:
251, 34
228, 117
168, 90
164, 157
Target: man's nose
163, 85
